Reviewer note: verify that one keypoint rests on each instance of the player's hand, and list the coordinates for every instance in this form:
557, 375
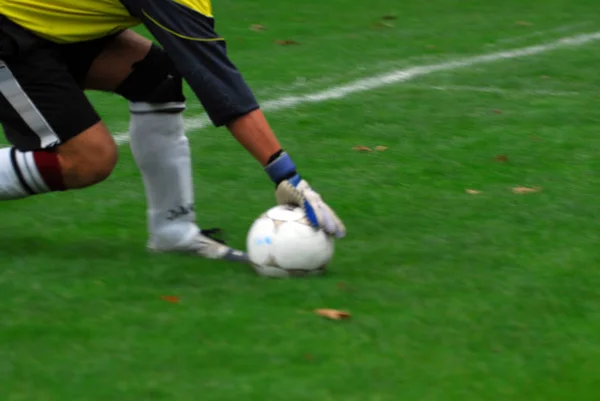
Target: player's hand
296, 191
293, 190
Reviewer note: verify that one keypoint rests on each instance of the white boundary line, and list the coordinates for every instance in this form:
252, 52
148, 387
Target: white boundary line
494, 90
398, 76
563, 29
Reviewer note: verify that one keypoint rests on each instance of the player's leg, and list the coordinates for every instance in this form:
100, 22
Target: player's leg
84, 160
185, 29
59, 141
142, 73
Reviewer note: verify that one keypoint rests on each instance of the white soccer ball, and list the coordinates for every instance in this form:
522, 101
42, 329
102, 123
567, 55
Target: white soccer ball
282, 243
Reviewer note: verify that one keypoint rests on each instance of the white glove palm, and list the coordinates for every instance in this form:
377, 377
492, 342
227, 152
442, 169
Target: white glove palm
299, 193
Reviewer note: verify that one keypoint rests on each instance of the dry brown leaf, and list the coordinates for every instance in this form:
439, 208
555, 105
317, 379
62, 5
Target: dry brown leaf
525, 190
361, 148
343, 287
286, 42
523, 23
497, 111
333, 314
388, 17
257, 27
472, 191
502, 158
382, 25
380, 148
170, 298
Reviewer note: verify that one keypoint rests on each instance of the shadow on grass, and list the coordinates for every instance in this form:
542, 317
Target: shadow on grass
83, 248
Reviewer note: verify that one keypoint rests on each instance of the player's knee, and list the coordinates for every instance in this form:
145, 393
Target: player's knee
156, 101
100, 166
155, 81
88, 158
90, 167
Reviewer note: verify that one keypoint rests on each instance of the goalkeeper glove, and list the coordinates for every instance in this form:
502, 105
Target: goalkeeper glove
293, 190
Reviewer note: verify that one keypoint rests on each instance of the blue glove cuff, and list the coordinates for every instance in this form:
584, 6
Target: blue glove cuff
282, 168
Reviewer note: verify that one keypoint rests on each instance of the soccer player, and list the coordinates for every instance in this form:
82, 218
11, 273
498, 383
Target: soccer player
53, 50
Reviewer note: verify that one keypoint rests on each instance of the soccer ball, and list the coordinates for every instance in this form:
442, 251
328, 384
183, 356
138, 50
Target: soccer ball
282, 243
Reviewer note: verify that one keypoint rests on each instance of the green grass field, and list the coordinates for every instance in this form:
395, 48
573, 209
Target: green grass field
454, 296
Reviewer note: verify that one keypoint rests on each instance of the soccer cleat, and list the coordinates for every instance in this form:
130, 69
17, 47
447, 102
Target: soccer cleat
207, 244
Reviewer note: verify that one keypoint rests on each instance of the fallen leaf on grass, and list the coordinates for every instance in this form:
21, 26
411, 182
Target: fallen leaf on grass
497, 111
380, 148
382, 25
286, 42
333, 314
257, 27
170, 298
472, 191
361, 148
502, 158
525, 190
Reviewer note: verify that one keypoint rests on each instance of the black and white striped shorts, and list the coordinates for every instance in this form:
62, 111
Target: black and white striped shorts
42, 103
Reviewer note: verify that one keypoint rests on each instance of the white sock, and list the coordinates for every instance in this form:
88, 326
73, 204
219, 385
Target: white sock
19, 175
162, 153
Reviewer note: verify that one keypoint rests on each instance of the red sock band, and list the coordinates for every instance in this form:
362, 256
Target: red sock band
49, 167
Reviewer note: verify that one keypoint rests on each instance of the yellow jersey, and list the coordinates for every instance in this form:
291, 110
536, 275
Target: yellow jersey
70, 21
